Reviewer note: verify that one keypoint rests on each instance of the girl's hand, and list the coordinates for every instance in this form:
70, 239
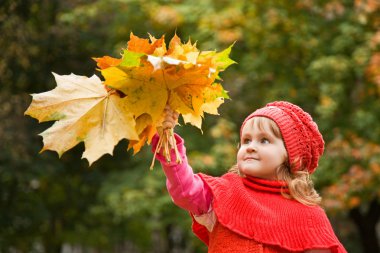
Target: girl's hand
170, 118
166, 140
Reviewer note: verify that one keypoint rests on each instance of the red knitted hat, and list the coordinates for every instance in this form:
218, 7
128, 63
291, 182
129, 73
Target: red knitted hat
303, 141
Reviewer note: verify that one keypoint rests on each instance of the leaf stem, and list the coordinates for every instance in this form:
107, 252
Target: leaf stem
166, 142
158, 147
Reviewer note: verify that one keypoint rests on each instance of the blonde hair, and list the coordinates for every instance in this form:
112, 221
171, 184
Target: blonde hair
300, 185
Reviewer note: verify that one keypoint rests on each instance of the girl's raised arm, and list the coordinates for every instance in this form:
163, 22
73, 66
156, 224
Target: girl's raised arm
187, 189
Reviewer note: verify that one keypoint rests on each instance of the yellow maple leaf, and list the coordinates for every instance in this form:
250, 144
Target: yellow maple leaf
146, 92
84, 111
147, 130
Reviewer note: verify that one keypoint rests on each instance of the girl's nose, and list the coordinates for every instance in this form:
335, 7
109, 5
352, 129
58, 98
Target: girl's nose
252, 147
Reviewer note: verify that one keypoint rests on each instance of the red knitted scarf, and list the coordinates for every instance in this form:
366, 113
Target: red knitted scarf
255, 209
259, 184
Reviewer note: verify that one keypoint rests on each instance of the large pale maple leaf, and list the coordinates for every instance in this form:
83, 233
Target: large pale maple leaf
85, 111
130, 102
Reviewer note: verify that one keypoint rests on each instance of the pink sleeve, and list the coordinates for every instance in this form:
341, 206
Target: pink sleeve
187, 189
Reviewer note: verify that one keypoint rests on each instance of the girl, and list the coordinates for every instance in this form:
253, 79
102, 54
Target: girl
266, 202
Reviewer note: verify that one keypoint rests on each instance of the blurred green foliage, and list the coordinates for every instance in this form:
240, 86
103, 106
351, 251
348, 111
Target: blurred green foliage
321, 55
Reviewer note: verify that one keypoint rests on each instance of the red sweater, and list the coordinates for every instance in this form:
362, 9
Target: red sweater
255, 209
252, 215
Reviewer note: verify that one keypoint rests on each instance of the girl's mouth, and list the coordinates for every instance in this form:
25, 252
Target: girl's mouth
251, 159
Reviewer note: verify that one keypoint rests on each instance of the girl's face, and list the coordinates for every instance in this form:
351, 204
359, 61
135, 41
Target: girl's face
262, 150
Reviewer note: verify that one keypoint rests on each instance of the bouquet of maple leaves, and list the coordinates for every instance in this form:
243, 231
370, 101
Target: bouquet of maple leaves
130, 102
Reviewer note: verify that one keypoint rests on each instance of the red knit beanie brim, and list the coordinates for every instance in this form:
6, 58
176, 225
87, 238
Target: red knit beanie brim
303, 141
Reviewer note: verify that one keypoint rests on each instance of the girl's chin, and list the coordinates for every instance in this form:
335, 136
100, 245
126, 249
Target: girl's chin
249, 172
253, 173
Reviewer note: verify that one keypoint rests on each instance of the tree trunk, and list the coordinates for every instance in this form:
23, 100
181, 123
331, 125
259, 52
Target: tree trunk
366, 224
51, 241
52, 246
176, 239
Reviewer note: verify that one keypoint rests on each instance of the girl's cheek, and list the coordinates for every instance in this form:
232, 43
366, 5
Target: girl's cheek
239, 153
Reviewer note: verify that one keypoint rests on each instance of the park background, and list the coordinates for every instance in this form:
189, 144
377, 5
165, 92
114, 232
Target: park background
321, 55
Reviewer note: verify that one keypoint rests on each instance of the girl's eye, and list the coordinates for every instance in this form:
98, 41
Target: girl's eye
246, 141
264, 141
